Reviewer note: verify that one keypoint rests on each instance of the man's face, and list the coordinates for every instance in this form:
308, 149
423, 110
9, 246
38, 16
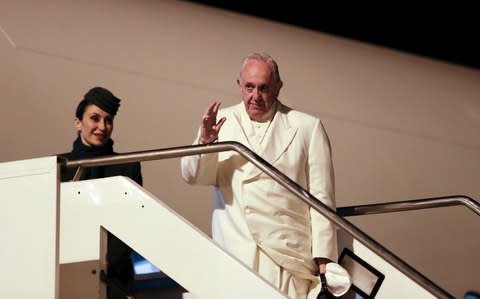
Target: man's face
258, 88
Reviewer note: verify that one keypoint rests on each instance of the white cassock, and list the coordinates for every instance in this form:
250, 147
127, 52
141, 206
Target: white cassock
254, 217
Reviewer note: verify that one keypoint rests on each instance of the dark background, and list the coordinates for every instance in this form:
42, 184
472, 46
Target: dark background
448, 33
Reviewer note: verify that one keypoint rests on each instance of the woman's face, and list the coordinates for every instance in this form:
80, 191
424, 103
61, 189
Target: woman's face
96, 126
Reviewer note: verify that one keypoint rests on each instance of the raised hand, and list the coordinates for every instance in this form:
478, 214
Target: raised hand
210, 127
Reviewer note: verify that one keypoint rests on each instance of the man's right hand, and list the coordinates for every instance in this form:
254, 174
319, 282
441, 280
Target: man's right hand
209, 126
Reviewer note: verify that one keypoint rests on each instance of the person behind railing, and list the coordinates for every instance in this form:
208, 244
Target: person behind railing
94, 124
254, 217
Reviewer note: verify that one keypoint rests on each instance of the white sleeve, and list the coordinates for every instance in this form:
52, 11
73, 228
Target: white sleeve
200, 169
322, 186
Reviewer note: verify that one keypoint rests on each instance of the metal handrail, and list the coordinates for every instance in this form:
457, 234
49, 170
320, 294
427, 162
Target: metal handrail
408, 205
280, 178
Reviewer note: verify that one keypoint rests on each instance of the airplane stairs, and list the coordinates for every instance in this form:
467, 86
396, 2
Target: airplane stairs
54, 243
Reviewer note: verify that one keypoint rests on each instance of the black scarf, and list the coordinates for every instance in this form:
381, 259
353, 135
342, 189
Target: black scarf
81, 151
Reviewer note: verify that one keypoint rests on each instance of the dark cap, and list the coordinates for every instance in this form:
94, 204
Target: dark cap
104, 99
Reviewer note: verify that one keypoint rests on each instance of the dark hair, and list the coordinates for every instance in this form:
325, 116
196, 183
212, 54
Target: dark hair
81, 108
100, 97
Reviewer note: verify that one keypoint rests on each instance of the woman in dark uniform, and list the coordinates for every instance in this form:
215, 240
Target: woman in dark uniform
94, 123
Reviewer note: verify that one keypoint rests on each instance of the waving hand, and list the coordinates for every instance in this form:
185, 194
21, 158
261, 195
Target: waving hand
210, 127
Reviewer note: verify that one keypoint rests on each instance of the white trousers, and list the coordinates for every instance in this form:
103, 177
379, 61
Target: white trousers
295, 287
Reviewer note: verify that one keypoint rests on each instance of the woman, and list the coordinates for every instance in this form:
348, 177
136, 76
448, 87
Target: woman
94, 124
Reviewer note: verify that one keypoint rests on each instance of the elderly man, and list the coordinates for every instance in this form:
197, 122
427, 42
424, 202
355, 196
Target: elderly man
254, 217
